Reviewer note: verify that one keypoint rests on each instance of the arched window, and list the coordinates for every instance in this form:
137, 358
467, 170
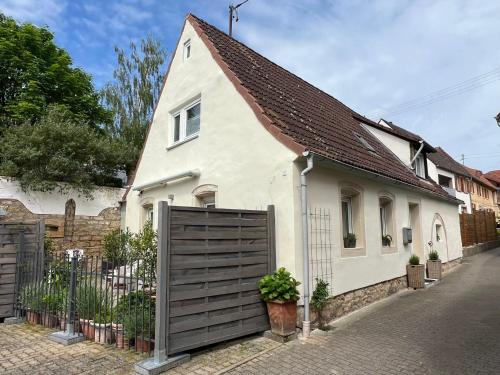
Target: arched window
387, 223
205, 196
351, 209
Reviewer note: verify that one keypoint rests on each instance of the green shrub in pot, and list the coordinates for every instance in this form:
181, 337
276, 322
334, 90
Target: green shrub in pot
433, 255
414, 260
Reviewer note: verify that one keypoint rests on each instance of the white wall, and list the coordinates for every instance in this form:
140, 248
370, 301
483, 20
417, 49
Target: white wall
233, 151
398, 146
54, 202
359, 271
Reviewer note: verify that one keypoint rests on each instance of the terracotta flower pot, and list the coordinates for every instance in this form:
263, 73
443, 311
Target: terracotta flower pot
144, 344
49, 320
434, 269
32, 317
103, 334
87, 327
416, 276
282, 316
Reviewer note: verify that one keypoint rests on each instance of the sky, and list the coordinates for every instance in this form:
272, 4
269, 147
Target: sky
432, 67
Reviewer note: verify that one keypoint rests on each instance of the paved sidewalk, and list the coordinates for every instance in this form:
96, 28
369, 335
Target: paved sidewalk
450, 328
25, 349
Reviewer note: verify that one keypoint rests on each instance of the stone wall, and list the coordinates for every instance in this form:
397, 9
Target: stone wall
346, 303
448, 266
69, 230
469, 251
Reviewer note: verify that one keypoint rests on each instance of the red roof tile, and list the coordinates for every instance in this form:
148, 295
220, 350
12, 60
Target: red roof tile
493, 176
300, 115
444, 161
479, 177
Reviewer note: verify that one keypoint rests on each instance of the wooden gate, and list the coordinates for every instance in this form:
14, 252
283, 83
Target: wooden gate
19, 242
214, 259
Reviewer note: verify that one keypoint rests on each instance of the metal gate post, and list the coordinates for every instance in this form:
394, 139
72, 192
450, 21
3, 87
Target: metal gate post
70, 337
160, 361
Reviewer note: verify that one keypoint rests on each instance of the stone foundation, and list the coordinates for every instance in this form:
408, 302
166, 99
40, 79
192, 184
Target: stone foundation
76, 231
448, 266
469, 251
346, 303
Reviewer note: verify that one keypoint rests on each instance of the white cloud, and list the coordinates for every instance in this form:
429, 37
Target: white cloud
33, 10
374, 55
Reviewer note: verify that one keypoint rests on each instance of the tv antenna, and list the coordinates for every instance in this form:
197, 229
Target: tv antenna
233, 13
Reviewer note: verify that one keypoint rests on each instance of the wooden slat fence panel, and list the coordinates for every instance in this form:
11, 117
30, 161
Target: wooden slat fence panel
478, 227
18, 242
215, 258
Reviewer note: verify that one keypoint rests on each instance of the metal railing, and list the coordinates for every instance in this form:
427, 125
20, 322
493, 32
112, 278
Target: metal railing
114, 301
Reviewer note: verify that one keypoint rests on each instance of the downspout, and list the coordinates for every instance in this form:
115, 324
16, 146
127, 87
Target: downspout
306, 324
418, 153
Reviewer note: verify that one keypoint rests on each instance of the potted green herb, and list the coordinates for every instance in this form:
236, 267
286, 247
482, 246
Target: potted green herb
139, 322
280, 292
102, 325
90, 301
29, 301
434, 268
319, 300
415, 273
350, 240
386, 240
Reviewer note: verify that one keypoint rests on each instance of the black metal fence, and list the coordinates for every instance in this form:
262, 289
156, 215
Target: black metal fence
114, 301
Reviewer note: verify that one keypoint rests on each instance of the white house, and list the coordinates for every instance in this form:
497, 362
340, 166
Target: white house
452, 176
234, 130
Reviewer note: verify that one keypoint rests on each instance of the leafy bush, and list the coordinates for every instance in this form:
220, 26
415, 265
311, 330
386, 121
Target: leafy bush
137, 313
43, 297
414, 260
144, 247
49, 246
433, 255
320, 295
280, 286
350, 240
134, 301
116, 246
90, 300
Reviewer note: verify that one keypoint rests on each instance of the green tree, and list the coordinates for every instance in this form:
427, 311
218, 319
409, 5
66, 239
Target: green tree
133, 94
35, 73
58, 153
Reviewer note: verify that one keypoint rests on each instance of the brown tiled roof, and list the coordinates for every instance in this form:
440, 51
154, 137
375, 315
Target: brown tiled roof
493, 176
444, 161
300, 115
478, 176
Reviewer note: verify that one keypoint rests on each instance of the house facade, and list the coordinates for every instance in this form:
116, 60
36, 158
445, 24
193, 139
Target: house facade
234, 130
483, 192
494, 178
453, 177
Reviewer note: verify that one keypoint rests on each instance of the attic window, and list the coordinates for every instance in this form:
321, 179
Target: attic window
364, 143
187, 50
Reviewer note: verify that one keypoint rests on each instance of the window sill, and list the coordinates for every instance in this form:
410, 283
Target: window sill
185, 140
389, 249
348, 252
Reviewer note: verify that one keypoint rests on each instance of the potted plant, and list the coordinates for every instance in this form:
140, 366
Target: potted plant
416, 273
116, 249
434, 269
90, 301
136, 312
386, 240
102, 325
319, 300
30, 303
350, 240
50, 305
280, 292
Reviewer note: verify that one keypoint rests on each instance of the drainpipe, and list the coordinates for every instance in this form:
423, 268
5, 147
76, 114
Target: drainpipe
416, 155
306, 324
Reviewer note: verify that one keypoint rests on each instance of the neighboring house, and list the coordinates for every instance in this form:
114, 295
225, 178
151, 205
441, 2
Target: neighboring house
484, 192
452, 177
494, 178
234, 130
71, 220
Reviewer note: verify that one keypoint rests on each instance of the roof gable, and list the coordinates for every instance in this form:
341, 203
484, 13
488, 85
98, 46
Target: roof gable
300, 115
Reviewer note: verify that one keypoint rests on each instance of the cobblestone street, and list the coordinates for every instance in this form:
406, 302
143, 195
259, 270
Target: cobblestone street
450, 328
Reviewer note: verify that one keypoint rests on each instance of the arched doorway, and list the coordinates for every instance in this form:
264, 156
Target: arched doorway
439, 237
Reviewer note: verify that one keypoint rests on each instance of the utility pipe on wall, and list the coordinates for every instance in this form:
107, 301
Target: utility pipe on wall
306, 324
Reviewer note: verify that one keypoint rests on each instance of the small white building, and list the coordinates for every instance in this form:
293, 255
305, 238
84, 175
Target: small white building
232, 129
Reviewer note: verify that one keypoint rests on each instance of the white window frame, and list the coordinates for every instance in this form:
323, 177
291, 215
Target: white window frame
187, 52
420, 166
350, 228
182, 114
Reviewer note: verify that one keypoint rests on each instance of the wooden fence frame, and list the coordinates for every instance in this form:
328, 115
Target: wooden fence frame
478, 227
